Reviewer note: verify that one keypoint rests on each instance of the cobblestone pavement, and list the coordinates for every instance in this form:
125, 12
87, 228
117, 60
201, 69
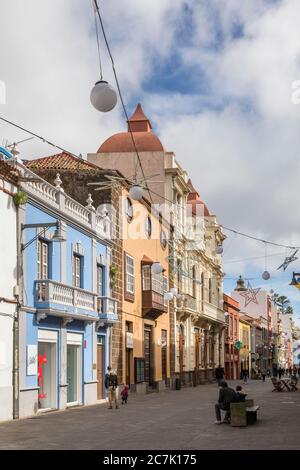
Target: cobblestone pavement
182, 420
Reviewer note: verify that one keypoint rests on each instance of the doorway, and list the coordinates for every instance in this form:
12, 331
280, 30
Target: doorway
100, 368
74, 369
47, 376
147, 355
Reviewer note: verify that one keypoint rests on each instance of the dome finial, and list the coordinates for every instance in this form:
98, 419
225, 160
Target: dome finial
138, 122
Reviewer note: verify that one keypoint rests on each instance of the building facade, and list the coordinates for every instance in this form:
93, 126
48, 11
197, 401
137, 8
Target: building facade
8, 279
146, 323
245, 351
231, 337
196, 314
66, 305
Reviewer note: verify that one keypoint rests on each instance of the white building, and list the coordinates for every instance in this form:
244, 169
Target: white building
8, 276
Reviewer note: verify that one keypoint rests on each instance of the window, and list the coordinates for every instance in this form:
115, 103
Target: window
77, 271
129, 274
146, 277
163, 239
151, 281
43, 259
194, 293
148, 227
165, 289
129, 210
209, 291
100, 279
157, 283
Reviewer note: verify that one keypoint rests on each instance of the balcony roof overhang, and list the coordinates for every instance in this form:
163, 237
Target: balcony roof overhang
42, 313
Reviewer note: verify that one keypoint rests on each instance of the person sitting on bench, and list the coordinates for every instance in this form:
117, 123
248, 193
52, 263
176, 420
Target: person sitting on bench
226, 396
241, 394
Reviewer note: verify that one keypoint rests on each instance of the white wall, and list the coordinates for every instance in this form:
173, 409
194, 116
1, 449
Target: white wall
253, 310
8, 273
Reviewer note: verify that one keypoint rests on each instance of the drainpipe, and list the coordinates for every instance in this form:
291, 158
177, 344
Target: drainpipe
16, 364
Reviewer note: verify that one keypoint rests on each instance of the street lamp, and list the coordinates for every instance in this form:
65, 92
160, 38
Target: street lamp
57, 236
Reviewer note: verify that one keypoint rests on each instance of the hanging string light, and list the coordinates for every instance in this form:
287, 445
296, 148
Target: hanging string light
266, 275
103, 96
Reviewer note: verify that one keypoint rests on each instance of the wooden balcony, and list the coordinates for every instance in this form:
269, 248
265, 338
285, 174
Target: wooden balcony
153, 304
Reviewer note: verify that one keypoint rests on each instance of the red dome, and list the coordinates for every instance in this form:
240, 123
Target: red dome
141, 128
194, 199
122, 142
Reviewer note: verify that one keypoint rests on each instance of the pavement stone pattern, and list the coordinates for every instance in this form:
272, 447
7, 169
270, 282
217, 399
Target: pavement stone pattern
171, 420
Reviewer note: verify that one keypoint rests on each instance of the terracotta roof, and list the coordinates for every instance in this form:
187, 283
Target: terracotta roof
61, 161
195, 199
7, 172
122, 142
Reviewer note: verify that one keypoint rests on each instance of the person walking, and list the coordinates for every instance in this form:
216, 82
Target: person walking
263, 374
226, 396
111, 385
244, 375
219, 374
279, 373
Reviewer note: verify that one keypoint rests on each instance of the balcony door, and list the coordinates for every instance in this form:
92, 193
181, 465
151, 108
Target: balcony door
100, 368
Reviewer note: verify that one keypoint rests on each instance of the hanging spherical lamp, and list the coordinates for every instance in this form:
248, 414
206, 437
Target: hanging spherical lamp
157, 268
168, 296
266, 275
136, 192
219, 249
103, 96
174, 291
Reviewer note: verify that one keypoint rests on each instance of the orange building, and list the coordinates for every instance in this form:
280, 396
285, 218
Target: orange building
145, 317
231, 309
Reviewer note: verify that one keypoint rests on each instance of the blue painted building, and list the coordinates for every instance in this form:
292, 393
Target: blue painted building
67, 310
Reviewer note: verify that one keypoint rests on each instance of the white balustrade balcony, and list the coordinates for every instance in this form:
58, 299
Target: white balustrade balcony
108, 309
52, 295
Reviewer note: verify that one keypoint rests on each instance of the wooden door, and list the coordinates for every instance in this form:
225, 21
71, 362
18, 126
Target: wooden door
181, 358
147, 355
100, 371
164, 355
197, 355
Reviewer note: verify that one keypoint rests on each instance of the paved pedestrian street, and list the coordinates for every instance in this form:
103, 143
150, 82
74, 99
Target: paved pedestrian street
182, 420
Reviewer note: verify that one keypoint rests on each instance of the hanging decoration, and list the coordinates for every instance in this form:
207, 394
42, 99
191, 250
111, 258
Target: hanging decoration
103, 96
288, 260
250, 294
266, 275
296, 280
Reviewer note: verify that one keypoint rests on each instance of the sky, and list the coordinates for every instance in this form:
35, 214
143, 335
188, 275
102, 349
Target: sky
215, 77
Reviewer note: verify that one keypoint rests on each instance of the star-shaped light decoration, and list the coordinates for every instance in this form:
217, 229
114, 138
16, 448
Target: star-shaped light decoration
288, 260
250, 294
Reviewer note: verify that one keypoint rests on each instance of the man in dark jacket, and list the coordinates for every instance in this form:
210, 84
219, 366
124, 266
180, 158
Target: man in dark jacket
111, 385
226, 396
219, 373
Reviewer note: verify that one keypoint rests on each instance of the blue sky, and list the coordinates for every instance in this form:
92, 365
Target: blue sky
213, 76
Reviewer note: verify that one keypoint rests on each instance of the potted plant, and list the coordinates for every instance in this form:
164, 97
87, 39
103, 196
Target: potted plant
113, 273
20, 198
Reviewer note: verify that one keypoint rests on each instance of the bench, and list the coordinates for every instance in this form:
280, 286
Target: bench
243, 413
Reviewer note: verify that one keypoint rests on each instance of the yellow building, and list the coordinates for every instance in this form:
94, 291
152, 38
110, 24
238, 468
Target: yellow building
245, 351
145, 317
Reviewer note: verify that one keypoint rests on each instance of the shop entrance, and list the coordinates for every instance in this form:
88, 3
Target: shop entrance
74, 368
47, 370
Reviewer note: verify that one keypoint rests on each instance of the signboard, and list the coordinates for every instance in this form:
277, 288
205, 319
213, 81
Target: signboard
129, 340
32, 359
